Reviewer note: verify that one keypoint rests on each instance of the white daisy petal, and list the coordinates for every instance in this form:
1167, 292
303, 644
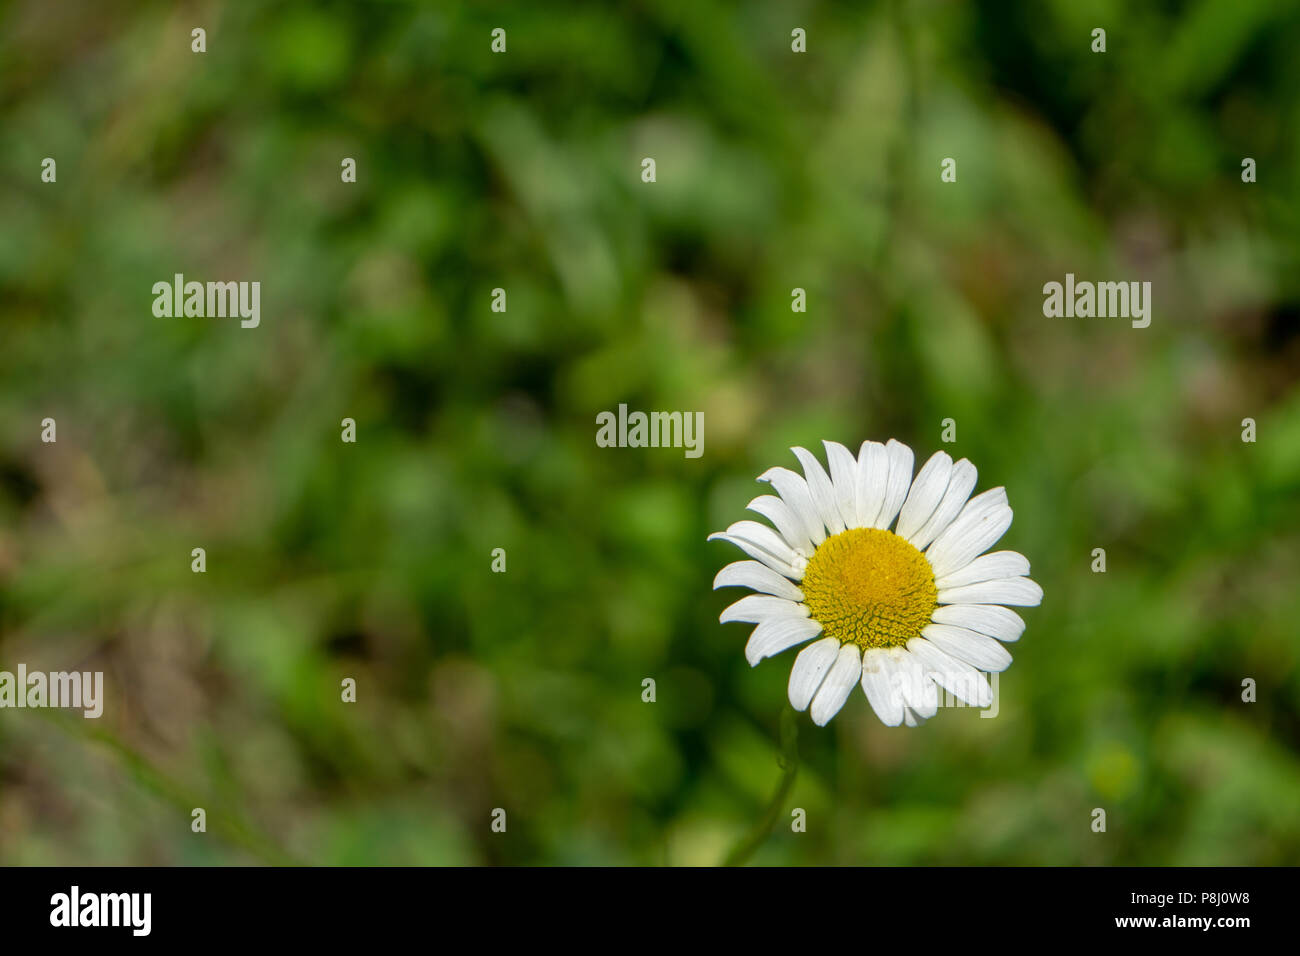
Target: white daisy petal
787, 523
794, 492
991, 619
878, 683
823, 492
844, 476
758, 577
911, 718
761, 535
873, 476
1021, 592
844, 673
776, 634
761, 542
916, 686
974, 540
987, 567
978, 650
810, 669
985, 518
776, 564
960, 484
901, 460
755, 608
925, 494
957, 677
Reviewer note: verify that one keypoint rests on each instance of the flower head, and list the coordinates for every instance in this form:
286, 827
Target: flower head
891, 572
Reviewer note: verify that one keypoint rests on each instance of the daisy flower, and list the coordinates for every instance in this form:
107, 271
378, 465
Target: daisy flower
891, 572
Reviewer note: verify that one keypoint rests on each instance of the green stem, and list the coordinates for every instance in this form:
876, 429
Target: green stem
788, 760
229, 825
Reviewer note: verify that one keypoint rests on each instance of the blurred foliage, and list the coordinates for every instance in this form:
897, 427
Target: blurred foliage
476, 429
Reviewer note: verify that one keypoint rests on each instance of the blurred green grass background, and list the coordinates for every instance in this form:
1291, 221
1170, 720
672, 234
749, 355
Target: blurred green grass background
476, 429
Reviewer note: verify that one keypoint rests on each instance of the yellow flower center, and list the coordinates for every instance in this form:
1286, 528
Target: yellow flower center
869, 586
